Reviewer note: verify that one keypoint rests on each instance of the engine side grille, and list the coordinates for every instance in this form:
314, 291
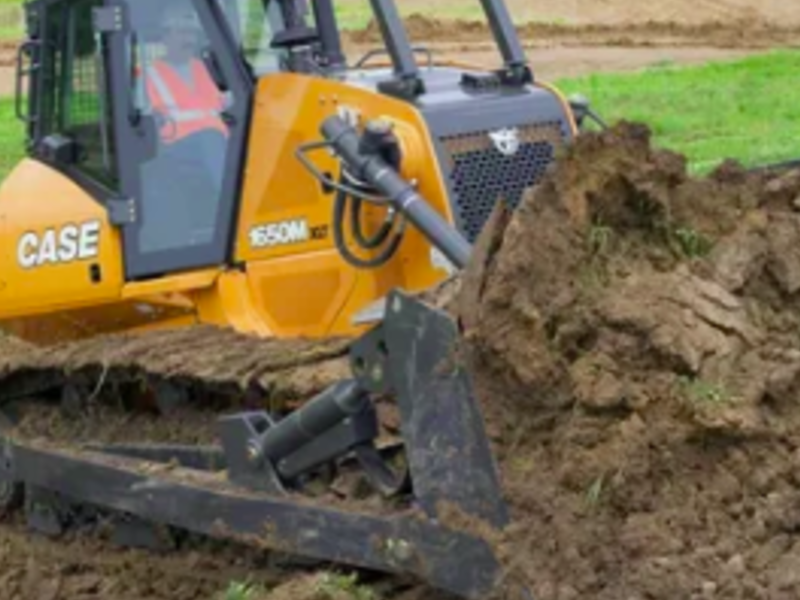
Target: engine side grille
481, 174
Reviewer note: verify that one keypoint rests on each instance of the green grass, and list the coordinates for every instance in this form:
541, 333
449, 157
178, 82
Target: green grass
746, 109
12, 139
704, 393
11, 20
338, 587
241, 591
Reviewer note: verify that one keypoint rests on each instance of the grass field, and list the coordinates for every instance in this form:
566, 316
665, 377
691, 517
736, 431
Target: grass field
747, 109
11, 137
11, 20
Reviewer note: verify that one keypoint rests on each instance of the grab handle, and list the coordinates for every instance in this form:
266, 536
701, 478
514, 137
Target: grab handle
28, 48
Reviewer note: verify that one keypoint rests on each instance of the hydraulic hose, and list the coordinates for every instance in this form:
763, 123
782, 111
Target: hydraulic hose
399, 193
363, 240
340, 208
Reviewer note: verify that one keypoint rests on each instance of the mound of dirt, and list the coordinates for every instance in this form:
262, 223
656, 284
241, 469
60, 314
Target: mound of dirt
634, 334
754, 32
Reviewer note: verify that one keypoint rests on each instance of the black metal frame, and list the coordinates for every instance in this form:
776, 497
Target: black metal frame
409, 84
413, 356
447, 559
504, 33
38, 11
35, 12
331, 53
396, 38
134, 142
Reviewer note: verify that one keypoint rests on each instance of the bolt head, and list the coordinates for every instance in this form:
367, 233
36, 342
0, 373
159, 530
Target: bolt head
253, 453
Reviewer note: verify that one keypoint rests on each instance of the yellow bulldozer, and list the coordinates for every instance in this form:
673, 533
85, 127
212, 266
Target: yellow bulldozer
221, 164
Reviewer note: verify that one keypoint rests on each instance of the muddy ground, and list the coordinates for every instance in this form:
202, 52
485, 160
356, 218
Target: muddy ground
633, 334
33, 568
587, 12
558, 50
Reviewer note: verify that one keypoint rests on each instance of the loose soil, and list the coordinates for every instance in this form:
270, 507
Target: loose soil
632, 332
587, 12
605, 46
634, 336
732, 33
78, 568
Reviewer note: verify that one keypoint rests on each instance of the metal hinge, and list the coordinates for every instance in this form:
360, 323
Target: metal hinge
121, 211
107, 19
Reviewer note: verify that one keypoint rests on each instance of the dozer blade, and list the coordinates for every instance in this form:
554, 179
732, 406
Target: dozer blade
251, 487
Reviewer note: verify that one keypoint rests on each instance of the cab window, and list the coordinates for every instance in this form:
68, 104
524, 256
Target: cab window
75, 111
254, 24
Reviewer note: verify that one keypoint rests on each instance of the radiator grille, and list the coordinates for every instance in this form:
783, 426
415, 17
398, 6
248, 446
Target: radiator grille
481, 175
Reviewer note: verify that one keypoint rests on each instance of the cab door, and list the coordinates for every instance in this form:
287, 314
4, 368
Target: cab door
180, 177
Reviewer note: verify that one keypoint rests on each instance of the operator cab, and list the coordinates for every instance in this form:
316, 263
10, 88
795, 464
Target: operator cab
147, 105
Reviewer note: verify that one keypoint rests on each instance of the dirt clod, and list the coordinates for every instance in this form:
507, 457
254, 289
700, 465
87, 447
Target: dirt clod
633, 334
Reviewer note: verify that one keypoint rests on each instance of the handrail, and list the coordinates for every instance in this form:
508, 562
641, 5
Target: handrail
24, 48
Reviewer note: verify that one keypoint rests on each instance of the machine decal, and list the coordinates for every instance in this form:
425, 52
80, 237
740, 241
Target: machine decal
506, 141
282, 233
59, 245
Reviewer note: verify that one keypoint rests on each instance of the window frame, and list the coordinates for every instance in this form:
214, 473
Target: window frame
50, 105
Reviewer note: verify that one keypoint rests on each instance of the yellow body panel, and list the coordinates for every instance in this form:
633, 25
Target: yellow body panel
61, 261
61, 266
40, 269
307, 288
171, 286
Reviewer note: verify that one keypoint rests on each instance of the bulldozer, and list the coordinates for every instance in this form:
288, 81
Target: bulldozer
329, 194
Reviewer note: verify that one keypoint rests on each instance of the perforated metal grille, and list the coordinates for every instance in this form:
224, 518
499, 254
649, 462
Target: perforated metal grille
481, 174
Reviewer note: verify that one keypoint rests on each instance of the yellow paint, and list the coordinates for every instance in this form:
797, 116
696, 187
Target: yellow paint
79, 323
33, 199
305, 289
229, 304
171, 285
288, 112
